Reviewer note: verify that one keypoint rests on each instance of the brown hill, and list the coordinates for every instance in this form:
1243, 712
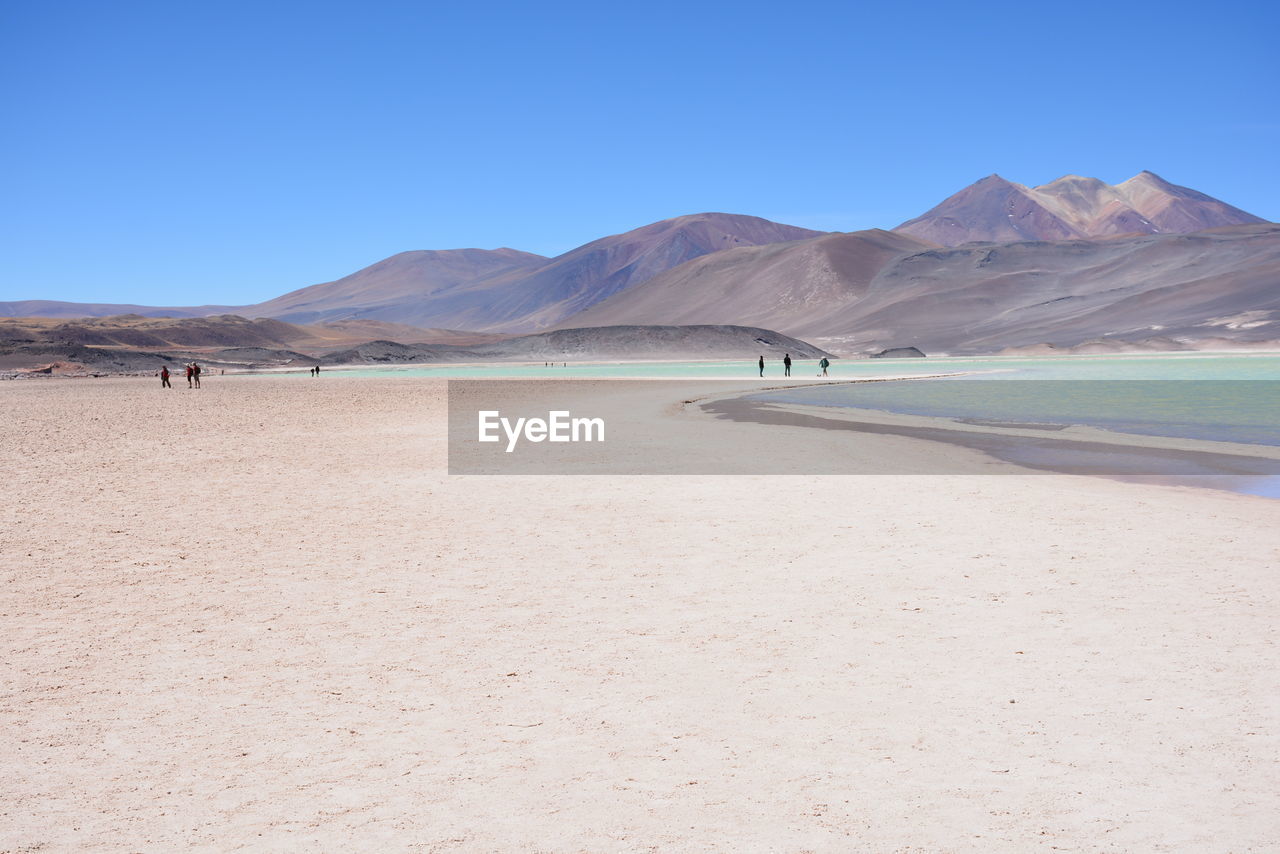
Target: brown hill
493, 290
870, 290
1000, 211
529, 295
74, 310
131, 331
135, 331
783, 286
395, 288
604, 267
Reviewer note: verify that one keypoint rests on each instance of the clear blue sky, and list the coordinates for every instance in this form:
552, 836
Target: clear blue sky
202, 152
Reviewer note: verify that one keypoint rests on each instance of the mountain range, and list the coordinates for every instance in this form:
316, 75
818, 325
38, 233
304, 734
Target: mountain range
998, 264
868, 290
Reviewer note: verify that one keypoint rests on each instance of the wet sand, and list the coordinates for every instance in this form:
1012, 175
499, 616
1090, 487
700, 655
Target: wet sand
262, 617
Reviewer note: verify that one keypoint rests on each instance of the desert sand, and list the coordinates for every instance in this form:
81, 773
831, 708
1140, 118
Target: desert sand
262, 616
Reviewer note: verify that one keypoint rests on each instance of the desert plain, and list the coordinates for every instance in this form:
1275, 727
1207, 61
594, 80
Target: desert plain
263, 616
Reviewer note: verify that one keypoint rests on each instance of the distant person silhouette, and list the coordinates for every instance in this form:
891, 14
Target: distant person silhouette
762, 366
824, 364
317, 370
786, 365
195, 366
190, 374
164, 377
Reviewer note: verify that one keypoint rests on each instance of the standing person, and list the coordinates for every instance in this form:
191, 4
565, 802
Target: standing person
762, 366
824, 364
317, 370
195, 367
786, 365
164, 377
190, 372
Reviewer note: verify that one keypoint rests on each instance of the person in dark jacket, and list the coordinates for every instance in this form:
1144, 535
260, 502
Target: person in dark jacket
786, 365
762, 366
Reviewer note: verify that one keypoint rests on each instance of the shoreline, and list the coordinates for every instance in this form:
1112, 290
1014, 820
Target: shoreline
1035, 448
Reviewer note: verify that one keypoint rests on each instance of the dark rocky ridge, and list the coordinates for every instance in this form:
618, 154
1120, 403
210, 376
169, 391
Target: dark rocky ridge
596, 344
568, 345
899, 353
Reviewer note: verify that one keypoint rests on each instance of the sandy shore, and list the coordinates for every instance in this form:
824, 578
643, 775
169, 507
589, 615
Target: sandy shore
262, 617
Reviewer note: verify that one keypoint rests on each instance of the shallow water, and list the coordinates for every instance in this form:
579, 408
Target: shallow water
1246, 411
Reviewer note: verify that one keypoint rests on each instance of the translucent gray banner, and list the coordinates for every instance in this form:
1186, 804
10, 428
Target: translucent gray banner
924, 426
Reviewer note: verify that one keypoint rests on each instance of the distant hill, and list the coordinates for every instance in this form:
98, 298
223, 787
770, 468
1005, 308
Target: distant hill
531, 293
397, 289
56, 308
204, 335
50, 347
866, 291
791, 286
1072, 207
137, 332
607, 266
480, 290
601, 343
1213, 284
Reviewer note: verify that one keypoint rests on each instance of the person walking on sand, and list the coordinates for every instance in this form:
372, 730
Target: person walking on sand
164, 377
824, 364
195, 368
190, 373
786, 365
762, 366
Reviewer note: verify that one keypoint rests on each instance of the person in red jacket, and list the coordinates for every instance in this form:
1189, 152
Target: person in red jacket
164, 377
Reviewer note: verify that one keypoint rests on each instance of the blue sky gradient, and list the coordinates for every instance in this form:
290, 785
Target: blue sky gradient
189, 153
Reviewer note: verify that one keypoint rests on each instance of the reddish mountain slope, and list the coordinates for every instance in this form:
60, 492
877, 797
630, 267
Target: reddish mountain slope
1000, 211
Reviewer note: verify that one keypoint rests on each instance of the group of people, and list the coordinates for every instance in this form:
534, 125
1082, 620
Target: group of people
193, 375
315, 372
786, 365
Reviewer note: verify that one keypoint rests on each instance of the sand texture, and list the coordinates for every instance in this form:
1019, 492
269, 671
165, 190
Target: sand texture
261, 616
